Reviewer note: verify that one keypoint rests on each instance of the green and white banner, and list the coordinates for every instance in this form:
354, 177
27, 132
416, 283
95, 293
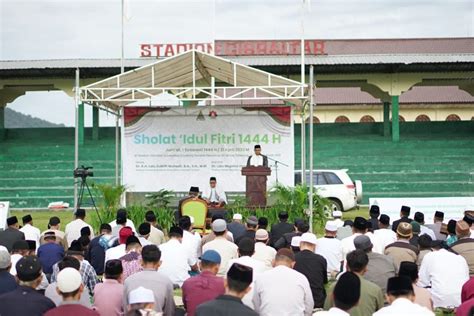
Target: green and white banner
174, 148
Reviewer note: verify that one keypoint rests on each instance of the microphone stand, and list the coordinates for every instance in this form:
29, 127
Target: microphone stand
276, 166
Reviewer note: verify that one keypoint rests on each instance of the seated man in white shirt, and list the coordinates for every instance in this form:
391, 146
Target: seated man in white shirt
263, 252
385, 235
359, 228
214, 195
401, 297
73, 229
283, 290
120, 221
31, 232
191, 241
344, 300
331, 249
446, 273
226, 249
257, 159
176, 261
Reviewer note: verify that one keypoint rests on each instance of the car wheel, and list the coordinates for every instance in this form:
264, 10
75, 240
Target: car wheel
335, 205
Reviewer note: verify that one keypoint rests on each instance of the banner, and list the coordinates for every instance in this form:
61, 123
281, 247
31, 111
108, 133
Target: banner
174, 148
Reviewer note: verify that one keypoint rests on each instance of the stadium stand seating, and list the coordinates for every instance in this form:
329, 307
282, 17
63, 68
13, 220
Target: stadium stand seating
36, 165
432, 159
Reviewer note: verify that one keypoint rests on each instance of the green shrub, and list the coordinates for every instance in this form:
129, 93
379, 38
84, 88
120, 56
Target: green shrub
294, 200
107, 198
160, 199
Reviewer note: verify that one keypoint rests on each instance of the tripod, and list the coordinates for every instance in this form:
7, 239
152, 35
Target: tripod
80, 196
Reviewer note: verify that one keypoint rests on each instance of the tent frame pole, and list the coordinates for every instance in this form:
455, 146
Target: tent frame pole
303, 147
77, 100
117, 144
311, 140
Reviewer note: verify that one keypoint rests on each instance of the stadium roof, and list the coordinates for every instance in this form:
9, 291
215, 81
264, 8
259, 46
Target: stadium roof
356, 55
248, 60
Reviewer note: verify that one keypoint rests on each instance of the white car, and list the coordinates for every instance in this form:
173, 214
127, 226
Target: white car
336, 186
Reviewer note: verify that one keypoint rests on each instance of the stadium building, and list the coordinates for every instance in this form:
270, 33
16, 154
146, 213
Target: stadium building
398, 113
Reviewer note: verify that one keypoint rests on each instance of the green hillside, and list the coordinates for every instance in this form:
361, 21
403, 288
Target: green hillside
14, 119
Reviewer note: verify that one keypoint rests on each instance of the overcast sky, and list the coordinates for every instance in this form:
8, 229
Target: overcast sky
56, 29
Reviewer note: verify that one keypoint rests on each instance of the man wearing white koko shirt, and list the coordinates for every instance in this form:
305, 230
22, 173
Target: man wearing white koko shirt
214, 195
257, 159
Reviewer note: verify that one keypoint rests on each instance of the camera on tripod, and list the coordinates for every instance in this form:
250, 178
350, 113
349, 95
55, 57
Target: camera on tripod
83, 172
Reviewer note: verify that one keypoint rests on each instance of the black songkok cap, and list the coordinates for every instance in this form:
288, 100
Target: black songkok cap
346, 281
75, 248
360, 223
26, 219
256, 146
400, 285
405, 209
374, 209
408, 269
439, 214
31, 244
212, 179
194, 189
12, 220
80, 212
384, 219
239, 272
283, 215
20, 245
28, 268
348, 222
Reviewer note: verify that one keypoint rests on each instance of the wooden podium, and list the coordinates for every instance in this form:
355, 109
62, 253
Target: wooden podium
256, 185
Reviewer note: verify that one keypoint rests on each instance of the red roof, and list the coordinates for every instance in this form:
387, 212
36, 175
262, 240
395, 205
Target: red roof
461, 45
445, 94
400, 46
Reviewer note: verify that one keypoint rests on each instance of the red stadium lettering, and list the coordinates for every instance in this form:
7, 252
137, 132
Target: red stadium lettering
145, 50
